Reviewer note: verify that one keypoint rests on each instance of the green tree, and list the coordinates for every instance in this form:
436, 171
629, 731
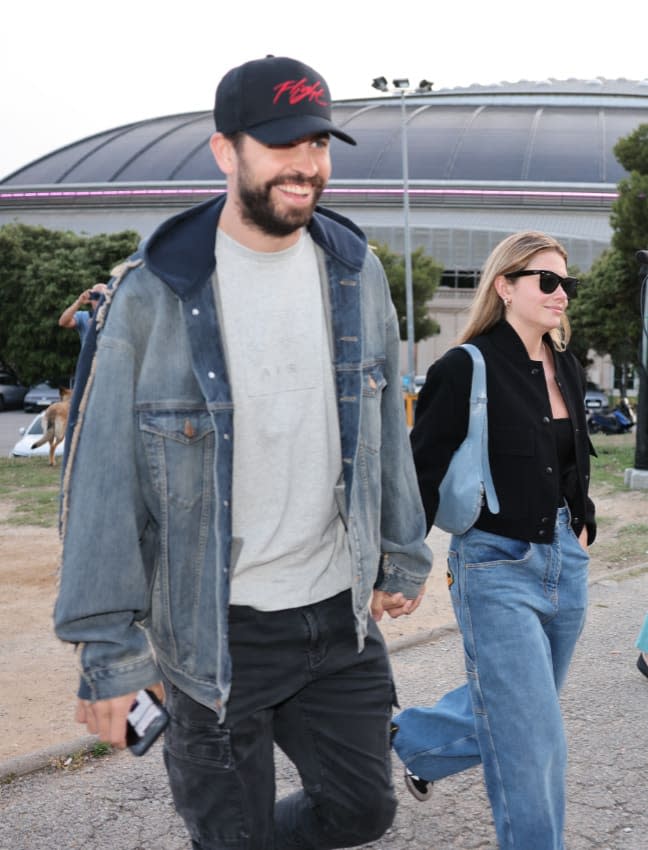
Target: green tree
629, 217
426, 276
629, 221
632, 150
600, 315
606, 316
41, 272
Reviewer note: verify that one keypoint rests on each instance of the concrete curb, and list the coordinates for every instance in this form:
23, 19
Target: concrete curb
41, 759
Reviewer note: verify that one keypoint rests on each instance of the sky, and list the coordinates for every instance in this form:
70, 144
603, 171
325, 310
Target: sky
70, 69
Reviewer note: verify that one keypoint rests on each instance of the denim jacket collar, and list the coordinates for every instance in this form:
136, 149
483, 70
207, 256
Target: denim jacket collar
181, 250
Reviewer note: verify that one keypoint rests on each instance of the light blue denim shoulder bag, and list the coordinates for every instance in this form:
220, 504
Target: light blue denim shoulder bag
468, 482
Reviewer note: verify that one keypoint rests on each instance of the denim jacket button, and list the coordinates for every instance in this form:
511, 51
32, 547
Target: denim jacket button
211, 375
549, 470
195, 312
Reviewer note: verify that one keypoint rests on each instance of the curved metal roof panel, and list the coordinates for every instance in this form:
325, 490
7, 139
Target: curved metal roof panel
552, 131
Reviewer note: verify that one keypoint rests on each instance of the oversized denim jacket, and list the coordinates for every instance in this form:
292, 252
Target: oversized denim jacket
145, 516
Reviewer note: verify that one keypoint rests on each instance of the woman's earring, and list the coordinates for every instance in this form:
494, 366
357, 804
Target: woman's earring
507, 303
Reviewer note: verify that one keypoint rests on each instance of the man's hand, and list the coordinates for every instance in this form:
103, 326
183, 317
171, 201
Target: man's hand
107, 717
394, 604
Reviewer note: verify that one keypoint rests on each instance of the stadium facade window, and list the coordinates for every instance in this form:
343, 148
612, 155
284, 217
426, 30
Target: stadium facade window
460, 278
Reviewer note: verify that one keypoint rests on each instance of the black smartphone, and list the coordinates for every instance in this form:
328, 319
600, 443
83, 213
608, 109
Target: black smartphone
94, 296
147, 719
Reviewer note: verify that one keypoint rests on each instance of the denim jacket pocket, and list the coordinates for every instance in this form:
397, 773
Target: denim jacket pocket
179, 447
373, 384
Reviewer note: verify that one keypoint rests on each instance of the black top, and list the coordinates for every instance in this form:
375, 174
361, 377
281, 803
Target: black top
523, 452
566, 456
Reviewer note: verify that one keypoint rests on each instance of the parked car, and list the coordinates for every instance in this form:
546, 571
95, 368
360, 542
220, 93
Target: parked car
41, 395
12, 392
30, 435
595, 398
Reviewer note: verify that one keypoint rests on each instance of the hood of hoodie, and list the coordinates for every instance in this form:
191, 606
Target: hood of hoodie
181, 250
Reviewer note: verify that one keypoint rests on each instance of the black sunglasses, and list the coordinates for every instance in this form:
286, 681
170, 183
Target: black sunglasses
549, 281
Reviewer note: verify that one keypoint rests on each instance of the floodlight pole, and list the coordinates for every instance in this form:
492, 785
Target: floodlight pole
402, 87
637, 478
409, 289
641, 444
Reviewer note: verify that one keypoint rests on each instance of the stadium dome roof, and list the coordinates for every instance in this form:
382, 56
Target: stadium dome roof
524, 132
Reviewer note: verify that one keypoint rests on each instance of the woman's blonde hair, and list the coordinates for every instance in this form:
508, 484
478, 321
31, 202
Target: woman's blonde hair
510, 255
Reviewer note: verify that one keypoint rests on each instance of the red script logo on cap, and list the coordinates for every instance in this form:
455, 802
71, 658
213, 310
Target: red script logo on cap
298, 90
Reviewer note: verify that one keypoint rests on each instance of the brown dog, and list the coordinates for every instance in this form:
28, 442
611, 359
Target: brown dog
55, 422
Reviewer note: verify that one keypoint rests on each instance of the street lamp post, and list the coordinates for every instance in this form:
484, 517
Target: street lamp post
402, 86
409, 289
641, 449
637, 478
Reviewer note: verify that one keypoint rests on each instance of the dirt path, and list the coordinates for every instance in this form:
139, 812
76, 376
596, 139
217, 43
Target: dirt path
38, 675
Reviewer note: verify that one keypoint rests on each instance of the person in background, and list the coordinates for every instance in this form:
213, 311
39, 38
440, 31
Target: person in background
259, 511
518, 579
75, 317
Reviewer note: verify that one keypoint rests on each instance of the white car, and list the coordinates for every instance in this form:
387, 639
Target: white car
30, 435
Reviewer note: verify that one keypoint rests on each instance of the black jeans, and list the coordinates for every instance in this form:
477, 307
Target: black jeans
298, 680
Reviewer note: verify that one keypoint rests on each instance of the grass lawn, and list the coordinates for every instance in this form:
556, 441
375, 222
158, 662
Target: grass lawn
31, 487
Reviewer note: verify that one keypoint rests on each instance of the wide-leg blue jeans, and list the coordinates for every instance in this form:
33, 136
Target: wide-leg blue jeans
521, 608
297, 680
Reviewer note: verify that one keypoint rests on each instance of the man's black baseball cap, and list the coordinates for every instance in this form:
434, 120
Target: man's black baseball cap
275, 100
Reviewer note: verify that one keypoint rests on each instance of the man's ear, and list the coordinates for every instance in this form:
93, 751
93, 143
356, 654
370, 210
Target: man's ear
223, 152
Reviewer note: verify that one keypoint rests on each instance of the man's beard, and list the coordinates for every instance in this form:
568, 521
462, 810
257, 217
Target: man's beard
258, 209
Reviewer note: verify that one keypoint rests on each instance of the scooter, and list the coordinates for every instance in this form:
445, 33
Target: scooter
616, 422
627, 409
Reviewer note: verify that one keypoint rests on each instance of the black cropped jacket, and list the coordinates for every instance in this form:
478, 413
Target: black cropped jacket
521, 444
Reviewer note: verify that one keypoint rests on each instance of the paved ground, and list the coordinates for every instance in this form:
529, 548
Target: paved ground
122, 803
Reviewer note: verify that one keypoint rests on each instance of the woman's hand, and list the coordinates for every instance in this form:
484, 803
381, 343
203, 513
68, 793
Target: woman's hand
394, 604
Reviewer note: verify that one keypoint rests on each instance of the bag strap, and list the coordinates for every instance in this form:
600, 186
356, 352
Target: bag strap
478, 422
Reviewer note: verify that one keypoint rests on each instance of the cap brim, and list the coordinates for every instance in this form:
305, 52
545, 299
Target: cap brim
283, 131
